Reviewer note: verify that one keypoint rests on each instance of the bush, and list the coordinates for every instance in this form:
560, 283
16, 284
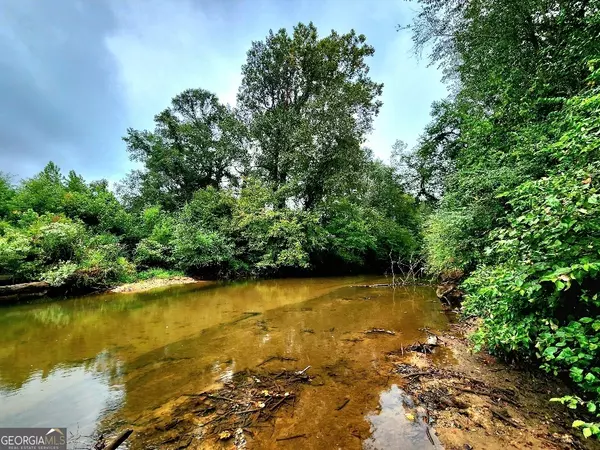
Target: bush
62, 252
43, 241
269, 240
158, 273
537, 284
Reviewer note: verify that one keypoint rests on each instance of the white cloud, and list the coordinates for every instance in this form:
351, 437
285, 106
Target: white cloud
164, 47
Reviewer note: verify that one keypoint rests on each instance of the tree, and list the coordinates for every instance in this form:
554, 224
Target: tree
197, 142
520, 210
42, 193
7, 192
425, 168
500, 52
309, 103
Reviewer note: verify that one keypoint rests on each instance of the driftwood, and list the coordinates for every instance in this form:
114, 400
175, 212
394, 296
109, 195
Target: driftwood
380, 331
24, 289
289, 438
343, 405
122, 437
424, 347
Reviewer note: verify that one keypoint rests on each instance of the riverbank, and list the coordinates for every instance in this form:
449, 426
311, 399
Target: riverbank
401, 384
153, 283
480, 402
439, 393
38, 289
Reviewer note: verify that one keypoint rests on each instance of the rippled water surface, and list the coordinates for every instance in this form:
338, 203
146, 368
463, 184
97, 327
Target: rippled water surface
101, 362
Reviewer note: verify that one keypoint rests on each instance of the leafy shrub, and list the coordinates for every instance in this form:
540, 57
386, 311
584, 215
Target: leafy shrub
158, 273
269, 240
537, 285
60, 274
61, 251
195, 249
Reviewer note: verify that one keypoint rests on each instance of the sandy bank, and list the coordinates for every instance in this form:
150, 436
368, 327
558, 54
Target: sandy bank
153, 283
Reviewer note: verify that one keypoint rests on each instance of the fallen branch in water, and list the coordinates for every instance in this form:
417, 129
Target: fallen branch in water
245, 400
122, 437
278, 358
425, 347
289, 438
301, 372
380, 330
343, 405
244, 316
371, 285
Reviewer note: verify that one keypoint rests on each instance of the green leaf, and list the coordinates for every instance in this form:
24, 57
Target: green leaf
587, 432
591, 407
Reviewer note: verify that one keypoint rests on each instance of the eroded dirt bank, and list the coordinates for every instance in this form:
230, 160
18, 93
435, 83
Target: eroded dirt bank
481, 403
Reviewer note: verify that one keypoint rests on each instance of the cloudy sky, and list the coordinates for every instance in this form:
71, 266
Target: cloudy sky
74, 74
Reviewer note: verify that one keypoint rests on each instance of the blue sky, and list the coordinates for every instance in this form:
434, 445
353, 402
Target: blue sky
74, 74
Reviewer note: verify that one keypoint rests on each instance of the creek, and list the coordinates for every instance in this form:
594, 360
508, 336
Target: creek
95, 364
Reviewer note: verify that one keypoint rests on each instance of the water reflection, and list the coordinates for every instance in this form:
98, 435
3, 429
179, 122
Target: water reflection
398, 425
76, 398
81, 360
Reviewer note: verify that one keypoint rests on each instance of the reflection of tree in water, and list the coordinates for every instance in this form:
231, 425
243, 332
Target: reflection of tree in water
398, 424
154, 346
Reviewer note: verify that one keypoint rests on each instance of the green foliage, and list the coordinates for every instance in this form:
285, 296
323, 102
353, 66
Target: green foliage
197, 142
281, 185
7, 192
154, 249
517, 151
309, 104
60, 251
42, 193
158, 273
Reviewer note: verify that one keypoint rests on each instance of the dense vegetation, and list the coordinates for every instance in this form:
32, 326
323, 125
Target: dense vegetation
516, 151
281, 184
503, 184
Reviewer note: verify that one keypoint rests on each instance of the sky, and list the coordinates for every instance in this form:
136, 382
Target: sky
75, 74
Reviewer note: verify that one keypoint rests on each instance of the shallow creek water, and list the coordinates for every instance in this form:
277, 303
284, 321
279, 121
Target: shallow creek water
101, 362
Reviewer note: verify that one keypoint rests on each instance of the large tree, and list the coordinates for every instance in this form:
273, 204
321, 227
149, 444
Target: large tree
197, 142
309, 103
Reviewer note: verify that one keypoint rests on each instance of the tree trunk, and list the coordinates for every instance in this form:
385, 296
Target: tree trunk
24, 289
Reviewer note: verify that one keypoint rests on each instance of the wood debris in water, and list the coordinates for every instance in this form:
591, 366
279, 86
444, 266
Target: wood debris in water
424, 347
276, 358
380, 331
228, 413
438, 389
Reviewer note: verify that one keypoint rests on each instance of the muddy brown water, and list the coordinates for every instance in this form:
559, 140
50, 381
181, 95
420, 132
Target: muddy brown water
99, 363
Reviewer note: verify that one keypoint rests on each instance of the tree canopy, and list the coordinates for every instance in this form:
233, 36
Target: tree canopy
279, 184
